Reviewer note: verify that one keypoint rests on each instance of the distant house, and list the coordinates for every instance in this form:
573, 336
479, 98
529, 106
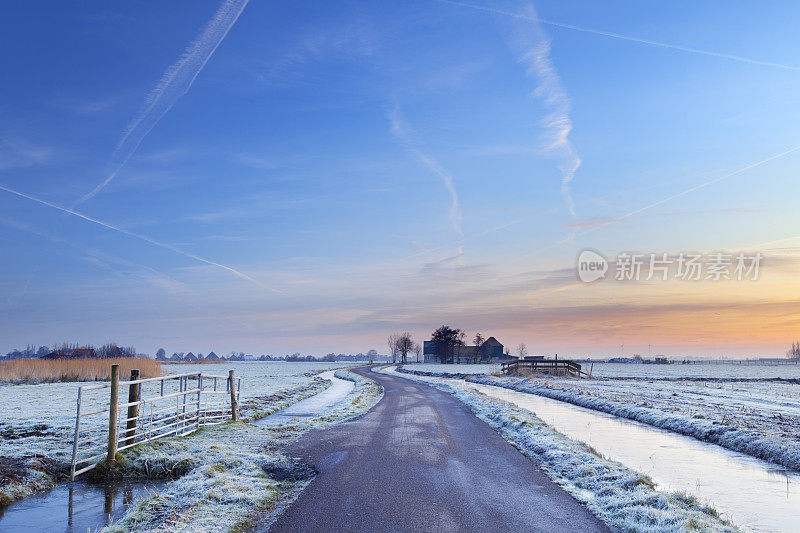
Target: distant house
212, 357
175, 357
190, 357
490, 351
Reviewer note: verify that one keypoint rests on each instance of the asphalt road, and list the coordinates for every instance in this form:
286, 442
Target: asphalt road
421, 461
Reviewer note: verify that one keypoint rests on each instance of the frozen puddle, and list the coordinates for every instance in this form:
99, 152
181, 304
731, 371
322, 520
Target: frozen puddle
73, 507
315, 405
754, 494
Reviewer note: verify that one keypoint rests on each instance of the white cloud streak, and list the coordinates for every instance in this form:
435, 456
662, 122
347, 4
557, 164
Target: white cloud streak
402, 131
619, 36
174, 83
141, 237
535, 49
690, 190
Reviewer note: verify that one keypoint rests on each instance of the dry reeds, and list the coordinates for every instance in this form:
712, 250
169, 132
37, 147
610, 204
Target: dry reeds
48, 371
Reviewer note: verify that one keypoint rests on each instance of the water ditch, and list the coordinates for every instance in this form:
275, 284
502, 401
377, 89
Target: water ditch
73, 507
314, 405
754, 494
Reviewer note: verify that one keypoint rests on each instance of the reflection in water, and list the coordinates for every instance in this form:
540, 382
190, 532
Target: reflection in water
754, 494
73, 507
315, 405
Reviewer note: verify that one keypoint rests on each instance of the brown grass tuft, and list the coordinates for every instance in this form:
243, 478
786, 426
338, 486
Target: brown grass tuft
47, 371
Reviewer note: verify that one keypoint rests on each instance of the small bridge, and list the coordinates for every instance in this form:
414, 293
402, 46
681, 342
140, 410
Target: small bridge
546, 366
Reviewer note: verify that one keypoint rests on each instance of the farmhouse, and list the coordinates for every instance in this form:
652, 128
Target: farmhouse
490, 351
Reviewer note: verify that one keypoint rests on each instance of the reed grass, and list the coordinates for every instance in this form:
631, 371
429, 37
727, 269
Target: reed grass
53, 370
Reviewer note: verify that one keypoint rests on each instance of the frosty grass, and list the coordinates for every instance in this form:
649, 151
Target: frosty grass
231, 477
622, 498
37, 421
757, 415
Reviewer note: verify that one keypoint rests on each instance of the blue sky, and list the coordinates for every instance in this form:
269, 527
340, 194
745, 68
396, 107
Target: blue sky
313, 176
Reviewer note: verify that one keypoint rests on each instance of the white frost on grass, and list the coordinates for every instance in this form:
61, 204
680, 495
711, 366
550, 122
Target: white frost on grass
232, 475
37, 421
619, 496
759, 417
758, 441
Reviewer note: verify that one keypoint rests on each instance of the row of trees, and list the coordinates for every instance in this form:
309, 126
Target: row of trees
67, 350
161, 355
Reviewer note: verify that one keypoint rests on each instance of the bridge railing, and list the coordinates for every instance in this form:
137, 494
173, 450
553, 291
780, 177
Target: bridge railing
166, 406
545, 365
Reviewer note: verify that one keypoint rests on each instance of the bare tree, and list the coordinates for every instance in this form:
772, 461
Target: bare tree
403, 344
478, 341
417, 350
522, 350
392, 342
795, 351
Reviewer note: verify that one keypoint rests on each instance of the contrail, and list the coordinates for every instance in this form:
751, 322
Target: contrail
142, 238
535, 47
402, 131
624, 37
691, 189
659, 202
174, 83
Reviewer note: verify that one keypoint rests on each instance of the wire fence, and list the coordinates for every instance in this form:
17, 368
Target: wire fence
167, 406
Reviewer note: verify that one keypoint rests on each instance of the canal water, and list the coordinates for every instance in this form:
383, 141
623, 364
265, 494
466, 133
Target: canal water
73, 507
314, 405
755, 495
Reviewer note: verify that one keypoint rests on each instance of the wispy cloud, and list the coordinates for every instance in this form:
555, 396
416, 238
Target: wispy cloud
140, 272
86, 107
535, 49
691, 189
403, 132
176, 81
142, 238
534, 18
19, 153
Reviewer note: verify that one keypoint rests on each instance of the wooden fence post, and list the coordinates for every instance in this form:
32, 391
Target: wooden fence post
112, 415
133, 410
75, 441
232, 387
199, 394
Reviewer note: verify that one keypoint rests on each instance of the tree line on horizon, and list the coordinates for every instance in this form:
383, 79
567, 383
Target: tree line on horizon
371, 355
112, 350
67, 350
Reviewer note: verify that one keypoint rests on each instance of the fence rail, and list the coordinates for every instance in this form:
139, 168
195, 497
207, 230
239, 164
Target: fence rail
545, 365
167, 406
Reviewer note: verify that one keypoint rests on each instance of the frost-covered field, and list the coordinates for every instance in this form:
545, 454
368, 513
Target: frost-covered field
624, 499
754, 409
37, 421
233, 476
622, 370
